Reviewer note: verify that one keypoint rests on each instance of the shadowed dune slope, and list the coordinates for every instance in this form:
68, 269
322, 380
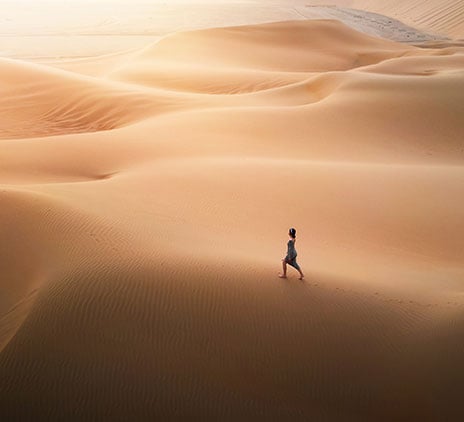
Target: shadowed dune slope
143, 218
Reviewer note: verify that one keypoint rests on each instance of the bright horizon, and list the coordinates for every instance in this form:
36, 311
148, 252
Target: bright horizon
28, 28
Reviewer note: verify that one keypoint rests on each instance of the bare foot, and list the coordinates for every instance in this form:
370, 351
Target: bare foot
301, 278
282, 276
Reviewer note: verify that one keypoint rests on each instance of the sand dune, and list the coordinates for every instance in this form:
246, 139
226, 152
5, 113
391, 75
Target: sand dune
39, 100
444, 16
433, 16
144, 204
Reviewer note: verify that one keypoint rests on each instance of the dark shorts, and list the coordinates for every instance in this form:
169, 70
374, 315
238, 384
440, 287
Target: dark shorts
292, 262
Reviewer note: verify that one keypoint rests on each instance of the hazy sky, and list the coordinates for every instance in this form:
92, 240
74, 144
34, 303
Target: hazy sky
38, 28
81, 16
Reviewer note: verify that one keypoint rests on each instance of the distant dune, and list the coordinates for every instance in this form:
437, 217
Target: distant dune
145, 199
440, 16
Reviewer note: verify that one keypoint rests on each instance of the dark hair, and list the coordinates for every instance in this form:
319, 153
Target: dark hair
292, 232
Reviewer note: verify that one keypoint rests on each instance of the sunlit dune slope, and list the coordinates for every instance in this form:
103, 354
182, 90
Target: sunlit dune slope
187, 60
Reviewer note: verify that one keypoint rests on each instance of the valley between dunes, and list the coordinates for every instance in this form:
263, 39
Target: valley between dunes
145, 200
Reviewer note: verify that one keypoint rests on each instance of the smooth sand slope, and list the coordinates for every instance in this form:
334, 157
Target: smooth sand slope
144, 205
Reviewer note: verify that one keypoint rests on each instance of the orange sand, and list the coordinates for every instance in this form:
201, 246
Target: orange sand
144, 204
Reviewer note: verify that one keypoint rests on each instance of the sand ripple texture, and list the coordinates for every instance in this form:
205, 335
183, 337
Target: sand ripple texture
144, 205
444, 16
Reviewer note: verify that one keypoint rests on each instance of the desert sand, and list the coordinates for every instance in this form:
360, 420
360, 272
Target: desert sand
439, 16
145, 199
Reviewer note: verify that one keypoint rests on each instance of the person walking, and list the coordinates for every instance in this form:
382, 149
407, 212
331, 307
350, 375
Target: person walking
290, 258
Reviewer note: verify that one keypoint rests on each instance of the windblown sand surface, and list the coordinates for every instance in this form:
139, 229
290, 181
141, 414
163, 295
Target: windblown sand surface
144, 203
440, 16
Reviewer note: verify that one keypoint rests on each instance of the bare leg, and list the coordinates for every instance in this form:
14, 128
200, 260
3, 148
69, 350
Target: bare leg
301, 275
284, 267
